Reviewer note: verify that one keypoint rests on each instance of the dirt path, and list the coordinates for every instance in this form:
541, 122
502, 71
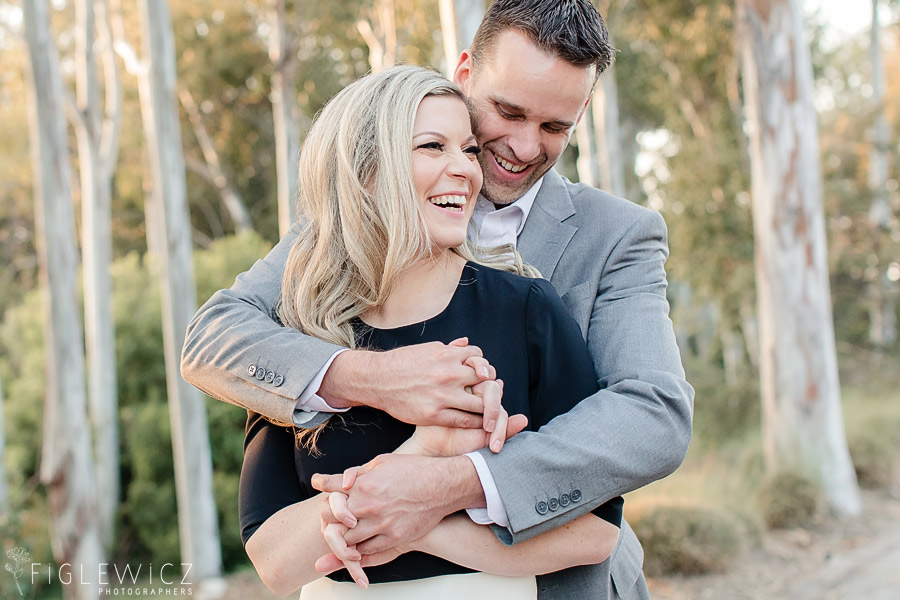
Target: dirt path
855, 559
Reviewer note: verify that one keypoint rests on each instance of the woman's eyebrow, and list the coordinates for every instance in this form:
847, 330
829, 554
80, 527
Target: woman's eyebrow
435, 133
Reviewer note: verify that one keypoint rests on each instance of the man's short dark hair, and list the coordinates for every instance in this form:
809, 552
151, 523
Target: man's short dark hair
570, 29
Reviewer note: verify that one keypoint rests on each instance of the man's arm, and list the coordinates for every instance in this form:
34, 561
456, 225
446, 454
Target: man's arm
636, 429
235, 351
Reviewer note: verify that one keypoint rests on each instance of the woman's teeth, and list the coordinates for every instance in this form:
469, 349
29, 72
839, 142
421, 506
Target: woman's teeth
509, 166
454, 203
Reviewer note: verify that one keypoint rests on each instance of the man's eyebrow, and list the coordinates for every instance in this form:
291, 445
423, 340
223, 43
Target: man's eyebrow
520, 109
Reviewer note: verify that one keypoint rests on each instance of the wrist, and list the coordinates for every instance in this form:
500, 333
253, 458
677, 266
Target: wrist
463, 488
346, 382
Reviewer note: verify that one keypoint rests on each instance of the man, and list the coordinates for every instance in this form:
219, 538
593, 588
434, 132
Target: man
529, 76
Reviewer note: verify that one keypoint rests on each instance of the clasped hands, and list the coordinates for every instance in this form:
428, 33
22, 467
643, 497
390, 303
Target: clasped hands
373, 513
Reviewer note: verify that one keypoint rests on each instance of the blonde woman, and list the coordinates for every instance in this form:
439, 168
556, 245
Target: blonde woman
388, 181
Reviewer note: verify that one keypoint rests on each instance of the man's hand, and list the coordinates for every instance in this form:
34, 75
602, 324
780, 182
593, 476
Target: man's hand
435, 440
424, 384
397, 498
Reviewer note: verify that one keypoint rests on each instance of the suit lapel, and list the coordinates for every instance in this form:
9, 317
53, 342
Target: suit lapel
545, 235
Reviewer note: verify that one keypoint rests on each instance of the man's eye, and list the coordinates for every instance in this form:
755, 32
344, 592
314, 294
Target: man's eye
506, 115
473, 150
555, 129
431, 146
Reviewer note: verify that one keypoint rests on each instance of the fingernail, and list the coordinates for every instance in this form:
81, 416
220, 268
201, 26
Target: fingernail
496, 446
362, 583
485, 372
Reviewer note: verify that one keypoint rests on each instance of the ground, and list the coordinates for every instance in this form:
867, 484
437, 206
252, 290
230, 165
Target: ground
856, 558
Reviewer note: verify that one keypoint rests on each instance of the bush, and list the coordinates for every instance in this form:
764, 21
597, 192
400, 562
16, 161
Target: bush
687, 540
874, 455
147, 526
788, 500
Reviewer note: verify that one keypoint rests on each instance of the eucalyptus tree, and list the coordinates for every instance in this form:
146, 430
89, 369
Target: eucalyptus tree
802, 422
67, 468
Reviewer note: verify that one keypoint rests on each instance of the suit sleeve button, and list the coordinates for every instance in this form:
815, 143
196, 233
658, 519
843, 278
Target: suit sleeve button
270, 376
553, 504
541, 507
279, 379
260, 374
564, 500
575, 496
251, 369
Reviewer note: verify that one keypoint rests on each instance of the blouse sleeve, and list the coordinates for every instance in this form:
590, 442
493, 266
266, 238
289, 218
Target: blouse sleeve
560, 369
268, 476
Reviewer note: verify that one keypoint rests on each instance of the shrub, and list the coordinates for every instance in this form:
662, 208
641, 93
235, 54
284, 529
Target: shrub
787, 500
874, 455
687, 540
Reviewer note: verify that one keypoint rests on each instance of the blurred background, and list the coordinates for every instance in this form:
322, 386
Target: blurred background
135, 206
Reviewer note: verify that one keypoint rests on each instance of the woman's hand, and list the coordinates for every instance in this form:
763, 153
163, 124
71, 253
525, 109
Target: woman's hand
436, 440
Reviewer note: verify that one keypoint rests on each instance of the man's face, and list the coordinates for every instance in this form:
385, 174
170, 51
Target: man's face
527, 102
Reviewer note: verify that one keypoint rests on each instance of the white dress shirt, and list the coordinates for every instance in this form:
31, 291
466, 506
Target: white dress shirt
495, 227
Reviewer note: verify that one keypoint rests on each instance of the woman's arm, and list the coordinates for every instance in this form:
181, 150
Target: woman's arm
584, 541
285, 547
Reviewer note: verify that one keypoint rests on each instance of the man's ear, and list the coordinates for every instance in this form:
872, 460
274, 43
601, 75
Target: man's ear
464, 70
584, 108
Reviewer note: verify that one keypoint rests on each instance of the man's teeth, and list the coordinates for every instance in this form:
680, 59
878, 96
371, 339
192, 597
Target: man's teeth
509, 166
449, 202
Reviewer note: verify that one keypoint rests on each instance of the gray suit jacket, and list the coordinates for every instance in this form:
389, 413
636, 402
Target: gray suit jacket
605, 257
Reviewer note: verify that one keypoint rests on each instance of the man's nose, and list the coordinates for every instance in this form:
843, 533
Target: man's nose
525, 142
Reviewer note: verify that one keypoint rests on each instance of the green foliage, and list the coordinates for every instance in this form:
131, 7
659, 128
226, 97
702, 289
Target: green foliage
688, 540
721, 412
147, 523
788, 500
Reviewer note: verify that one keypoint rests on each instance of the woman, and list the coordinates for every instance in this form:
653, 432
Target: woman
388, 180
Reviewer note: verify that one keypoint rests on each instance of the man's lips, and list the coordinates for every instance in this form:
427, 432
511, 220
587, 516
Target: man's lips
509, 169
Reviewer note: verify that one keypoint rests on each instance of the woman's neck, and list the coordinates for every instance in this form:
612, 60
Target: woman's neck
421, 292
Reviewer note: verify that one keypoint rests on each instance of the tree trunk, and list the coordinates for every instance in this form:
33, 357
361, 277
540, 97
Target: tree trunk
605, 112
4, 489
802, 422
881, 296
587, 162
96, 245
459, 22
285, 113
213, 172
169, 235
382, 38
67, 468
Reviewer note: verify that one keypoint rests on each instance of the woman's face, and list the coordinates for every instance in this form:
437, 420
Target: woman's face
445, 168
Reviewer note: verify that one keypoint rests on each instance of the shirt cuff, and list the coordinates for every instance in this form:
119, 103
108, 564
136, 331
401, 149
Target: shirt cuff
310, 404
495, 513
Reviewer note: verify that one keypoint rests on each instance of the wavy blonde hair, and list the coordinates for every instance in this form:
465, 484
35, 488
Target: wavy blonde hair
361, 222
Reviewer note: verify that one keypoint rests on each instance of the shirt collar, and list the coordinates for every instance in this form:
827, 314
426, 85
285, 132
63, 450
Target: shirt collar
523, 206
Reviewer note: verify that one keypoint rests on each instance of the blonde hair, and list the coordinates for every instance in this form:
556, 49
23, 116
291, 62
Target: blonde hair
361, 221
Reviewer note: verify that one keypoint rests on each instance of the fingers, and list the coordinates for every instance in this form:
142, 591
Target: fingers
376, 544
328, 483
515, 424
349, 477
482, 367
348, 555
490, 393
337, 503
460, 419
460, 342
498, 436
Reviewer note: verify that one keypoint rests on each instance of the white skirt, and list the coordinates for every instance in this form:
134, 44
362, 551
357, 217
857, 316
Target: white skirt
471, 586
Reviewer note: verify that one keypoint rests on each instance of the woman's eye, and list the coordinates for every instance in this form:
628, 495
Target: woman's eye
473, 150
432, 146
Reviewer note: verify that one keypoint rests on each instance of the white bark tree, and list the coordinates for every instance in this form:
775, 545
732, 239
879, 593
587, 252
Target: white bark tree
802, 422
4, 489
286, 113
607, 138
882, 296
211, 169
459, 22
67, 468
97, 150
169, 237
379, 32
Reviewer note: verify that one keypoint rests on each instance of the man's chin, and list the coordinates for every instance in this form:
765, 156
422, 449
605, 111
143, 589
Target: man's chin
503, 195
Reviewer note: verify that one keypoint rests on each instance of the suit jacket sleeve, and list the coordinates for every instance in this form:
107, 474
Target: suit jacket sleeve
636, 429
235, 334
